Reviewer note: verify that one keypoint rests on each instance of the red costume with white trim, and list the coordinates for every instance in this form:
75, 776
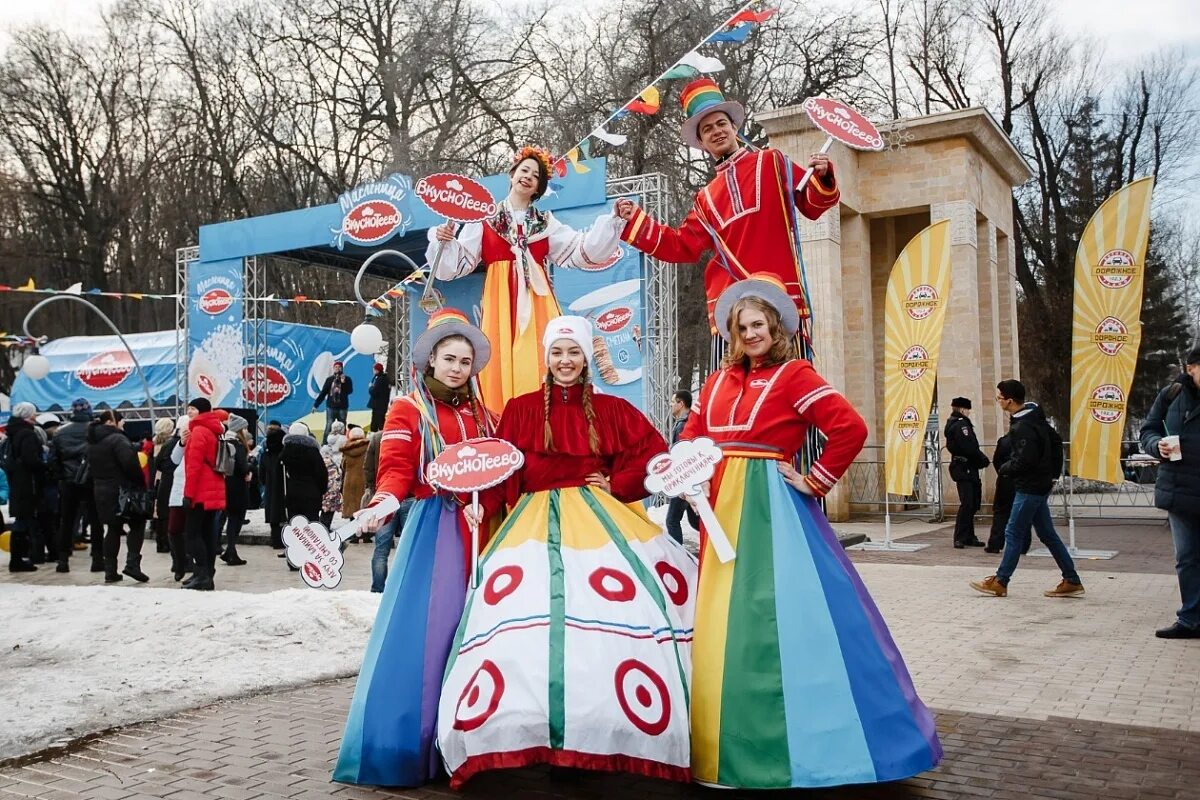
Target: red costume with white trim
400, 445
749, 207
627, 443
773, 407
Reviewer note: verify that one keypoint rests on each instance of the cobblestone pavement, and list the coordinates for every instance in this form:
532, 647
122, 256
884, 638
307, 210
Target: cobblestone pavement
1035, 697
283, 745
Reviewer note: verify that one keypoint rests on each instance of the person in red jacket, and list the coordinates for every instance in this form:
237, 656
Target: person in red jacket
746, 215
389, 738
795, 678
574, 650
203, 492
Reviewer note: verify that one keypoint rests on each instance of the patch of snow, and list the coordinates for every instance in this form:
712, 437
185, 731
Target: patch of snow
76, 660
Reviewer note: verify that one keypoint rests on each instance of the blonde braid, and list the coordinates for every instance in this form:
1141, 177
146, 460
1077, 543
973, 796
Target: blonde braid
548, 435
589, 414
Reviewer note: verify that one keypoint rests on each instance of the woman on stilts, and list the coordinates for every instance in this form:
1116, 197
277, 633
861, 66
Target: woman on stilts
574, 650
517, 247
797, 682
389, 739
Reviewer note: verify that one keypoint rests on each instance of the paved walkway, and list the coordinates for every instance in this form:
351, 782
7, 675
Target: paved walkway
1034, 697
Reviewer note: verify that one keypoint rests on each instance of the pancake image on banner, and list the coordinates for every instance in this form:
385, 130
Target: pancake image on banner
913, 318
575, 650
1106, 329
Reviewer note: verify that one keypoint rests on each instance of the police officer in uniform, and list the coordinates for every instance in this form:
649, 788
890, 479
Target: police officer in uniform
966, 459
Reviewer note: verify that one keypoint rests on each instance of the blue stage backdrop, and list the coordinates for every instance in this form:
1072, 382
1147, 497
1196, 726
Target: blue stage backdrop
99, 368
299, 357
613, 299
216, 345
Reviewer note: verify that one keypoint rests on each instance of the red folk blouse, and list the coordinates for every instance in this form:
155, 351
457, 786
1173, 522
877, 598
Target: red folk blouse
772, 408
627, 443
400, 446
749, 206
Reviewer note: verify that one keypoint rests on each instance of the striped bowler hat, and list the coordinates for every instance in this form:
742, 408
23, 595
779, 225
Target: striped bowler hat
449, 322
700, 98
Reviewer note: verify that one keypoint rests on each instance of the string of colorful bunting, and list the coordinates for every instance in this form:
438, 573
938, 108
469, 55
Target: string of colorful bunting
734, 30
378, 306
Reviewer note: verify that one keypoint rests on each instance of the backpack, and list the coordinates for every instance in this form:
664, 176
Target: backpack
83, 473
6, 459
1054, 452
225, 457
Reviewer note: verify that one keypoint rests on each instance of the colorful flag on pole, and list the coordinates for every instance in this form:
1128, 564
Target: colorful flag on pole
1106, 329
573, 157
646, 103
913, 316
706, 64
615, 139
755, 17
737, 34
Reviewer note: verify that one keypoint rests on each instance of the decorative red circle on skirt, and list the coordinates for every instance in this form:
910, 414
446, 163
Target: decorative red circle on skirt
601, 581
503, 582
648, 690
673, 581
468, 701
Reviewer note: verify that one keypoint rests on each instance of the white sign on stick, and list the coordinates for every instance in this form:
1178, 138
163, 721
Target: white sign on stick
683, 471
317, 551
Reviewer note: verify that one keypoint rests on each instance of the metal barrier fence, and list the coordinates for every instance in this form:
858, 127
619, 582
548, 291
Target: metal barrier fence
1132, 499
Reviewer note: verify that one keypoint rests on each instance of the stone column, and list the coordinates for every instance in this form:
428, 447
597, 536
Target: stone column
959, 371
989, 423
858, 309
821, 240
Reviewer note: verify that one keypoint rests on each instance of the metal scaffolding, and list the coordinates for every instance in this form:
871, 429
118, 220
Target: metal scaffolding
184, 257
662, 308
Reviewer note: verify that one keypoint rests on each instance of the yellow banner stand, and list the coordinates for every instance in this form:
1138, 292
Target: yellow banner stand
913, 316
1106, 331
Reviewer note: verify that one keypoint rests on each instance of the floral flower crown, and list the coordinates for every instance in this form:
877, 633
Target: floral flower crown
533, 151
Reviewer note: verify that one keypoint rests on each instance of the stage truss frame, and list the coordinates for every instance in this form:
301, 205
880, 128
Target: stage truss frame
662, 313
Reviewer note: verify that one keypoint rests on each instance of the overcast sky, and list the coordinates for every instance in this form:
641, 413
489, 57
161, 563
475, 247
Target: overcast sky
1126, 28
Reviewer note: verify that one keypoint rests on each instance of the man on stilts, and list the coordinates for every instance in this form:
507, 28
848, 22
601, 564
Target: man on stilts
746, 214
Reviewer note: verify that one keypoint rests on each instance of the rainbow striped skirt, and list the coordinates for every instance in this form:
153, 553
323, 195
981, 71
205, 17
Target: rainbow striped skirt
389, 738
796, 680
575, 648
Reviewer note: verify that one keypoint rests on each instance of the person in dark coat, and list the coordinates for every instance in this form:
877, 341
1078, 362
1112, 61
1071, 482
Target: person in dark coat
68, 452
162, 472
203, 492
966, 459
1034, 467
114, 465
270, 470
236, 500
45, 539
379, 394
26, 471
335, 393
1002, 500
1176, 412
306, 479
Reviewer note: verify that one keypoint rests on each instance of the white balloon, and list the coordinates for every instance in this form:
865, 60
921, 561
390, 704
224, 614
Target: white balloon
366, 339
36, 366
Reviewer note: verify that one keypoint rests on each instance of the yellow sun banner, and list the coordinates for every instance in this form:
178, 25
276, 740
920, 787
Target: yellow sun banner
917, 292
1106, 329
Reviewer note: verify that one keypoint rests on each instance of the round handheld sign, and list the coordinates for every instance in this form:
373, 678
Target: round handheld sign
683, 471
456, 197
843, 123
474, 465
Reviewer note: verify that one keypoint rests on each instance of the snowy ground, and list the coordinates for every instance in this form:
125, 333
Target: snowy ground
79, 659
